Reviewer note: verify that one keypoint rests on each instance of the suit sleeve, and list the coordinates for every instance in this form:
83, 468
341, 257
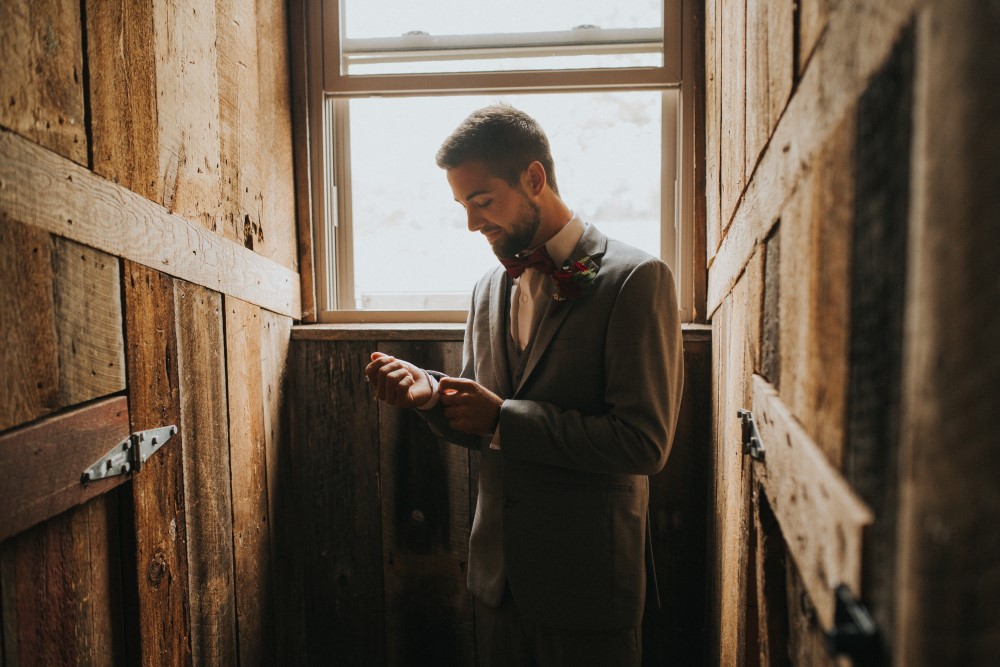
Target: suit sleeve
643, 364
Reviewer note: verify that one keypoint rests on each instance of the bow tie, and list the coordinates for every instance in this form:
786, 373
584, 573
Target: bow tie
539, 260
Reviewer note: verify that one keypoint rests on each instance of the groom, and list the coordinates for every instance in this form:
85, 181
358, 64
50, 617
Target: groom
570, 386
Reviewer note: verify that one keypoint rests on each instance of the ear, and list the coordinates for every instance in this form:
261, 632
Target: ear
534, 178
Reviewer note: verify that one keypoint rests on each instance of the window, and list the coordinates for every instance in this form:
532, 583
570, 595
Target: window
396, 77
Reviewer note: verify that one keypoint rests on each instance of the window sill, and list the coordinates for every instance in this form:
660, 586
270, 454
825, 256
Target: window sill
427, 331
380, 331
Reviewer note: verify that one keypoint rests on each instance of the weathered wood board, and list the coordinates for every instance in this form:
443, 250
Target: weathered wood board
335, 456
159, 521
50, 457
201, 370
42, 78
948, 580
123, 99
425, 528
248, 466
820, 516
30, 351
51, 193
88, 312
60, 589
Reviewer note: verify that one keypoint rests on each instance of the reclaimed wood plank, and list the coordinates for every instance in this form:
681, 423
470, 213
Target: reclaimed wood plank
251, 534
758, 104
30, 351
159, 521
41, 81
948, 572
388, 332
123, 100
276, 169
51, 193
772, 601
813, 16
50, 456
732, 160
713, 128
59, 586
88, 312
860, 37
815, 301
187, 89
201, 373
425, 528
286, 566
820, 516
780, 57
336, 463
239, 106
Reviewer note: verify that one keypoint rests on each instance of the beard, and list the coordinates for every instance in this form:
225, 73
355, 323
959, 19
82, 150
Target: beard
522, 231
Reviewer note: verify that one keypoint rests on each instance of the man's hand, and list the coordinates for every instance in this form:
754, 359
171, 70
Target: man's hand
469, 406
399, 383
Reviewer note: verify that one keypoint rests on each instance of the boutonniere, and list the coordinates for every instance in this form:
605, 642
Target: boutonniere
573, 277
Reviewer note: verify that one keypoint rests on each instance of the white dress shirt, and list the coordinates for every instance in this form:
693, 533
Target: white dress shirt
532, 291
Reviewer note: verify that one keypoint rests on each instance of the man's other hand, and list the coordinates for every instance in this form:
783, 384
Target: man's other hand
399, 383
469, 406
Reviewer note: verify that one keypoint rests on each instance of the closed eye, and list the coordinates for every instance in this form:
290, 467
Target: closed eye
482, 204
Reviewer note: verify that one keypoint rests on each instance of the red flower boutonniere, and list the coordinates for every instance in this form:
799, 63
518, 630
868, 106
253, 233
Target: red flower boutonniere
573, 277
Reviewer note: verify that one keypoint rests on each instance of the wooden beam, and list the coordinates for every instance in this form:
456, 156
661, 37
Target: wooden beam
820, 516
49, 458
858, 39
52, 193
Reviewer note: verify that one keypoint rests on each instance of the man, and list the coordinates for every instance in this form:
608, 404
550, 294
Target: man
570, 386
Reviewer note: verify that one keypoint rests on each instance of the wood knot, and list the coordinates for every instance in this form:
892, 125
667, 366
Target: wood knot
158, 569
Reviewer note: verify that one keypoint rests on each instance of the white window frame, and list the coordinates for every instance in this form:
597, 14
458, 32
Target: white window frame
330, 88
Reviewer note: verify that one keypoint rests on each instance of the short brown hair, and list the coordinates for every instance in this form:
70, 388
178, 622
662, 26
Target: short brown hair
505, 139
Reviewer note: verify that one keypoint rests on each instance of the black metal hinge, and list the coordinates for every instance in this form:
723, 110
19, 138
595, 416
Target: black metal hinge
752, 443
854, 632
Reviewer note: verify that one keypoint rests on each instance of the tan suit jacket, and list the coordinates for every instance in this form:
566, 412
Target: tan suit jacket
561, 512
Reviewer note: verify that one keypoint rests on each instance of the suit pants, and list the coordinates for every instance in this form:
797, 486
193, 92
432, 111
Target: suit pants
505, 639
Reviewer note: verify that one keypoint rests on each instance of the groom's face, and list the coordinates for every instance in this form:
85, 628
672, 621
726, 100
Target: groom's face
506, 215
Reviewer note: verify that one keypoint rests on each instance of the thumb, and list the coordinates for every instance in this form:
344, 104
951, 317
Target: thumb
378, 355
453, 385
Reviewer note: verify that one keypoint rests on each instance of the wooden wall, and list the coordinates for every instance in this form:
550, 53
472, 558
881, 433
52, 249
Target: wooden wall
395, 593
849, 199
147, 254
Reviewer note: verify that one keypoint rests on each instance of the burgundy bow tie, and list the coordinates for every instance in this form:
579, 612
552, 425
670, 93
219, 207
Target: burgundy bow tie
539, 260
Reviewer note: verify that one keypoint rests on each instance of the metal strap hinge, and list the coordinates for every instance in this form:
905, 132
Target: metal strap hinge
129, 454
752, 443
854, 633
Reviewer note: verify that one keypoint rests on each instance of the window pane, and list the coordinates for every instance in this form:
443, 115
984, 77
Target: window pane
411, 245
391, 18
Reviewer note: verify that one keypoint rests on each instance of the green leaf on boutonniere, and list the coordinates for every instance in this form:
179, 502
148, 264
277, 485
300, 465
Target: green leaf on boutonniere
573, 277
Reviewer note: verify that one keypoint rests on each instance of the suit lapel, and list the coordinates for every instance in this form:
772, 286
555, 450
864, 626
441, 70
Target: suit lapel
593, 244
498, 333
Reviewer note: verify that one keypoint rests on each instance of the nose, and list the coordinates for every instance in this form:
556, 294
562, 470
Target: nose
474, 222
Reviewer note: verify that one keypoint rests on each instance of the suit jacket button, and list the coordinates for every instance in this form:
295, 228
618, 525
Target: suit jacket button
509, 501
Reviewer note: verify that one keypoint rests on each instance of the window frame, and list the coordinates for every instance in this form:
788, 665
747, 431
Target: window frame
329, 88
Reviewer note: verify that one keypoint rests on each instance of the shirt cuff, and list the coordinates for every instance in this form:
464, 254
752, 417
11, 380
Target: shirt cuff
433, 400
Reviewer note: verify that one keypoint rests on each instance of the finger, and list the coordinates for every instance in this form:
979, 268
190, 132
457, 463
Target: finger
392, 381
455, 384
